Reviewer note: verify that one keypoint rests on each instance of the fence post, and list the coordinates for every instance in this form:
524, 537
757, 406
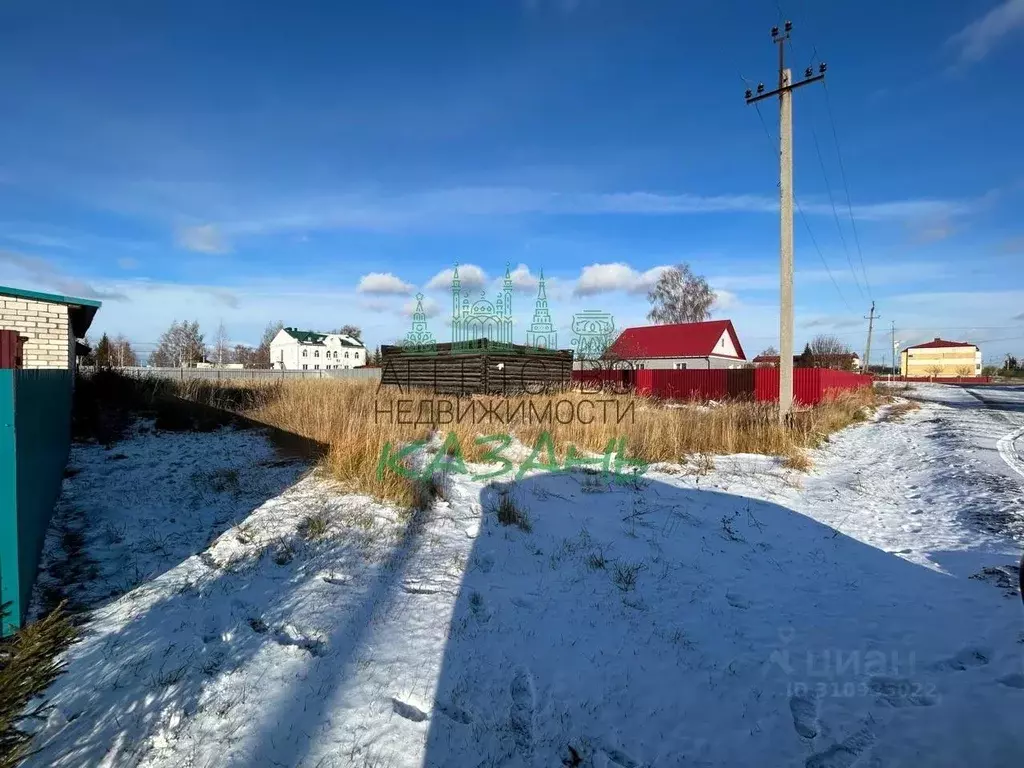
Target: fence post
9, 565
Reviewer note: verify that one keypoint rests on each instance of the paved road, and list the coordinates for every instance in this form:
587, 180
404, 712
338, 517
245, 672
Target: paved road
985, 428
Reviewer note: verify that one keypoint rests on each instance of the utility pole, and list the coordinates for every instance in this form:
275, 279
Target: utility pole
871, 325
785, 93
892, 328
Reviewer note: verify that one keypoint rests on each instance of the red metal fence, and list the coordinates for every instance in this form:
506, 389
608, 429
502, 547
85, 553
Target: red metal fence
938, 379
810, 385
695, 385
10, 349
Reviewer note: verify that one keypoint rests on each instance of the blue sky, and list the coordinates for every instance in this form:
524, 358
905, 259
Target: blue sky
251, 162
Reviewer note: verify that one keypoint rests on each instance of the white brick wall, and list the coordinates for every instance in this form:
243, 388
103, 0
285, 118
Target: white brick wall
45, 326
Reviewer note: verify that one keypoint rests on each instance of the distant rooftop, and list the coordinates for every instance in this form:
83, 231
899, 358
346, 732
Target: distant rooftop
938, 343
80, 311
315, 337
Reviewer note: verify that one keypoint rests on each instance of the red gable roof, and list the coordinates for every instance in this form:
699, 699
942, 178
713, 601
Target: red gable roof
940, 343
680, 340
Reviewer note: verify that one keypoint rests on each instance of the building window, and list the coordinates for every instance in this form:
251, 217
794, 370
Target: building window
335, 354
316, 353
679, 366
305, 352
356, 354
346, 353
304, 366
316, 367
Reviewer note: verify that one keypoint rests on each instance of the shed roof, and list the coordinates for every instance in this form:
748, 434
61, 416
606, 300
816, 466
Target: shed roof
80, 311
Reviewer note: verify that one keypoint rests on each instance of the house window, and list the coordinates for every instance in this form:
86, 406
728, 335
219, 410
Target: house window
346, 353
316, 367
335, 354
304, 366
679, 366
356, 354
316, 353
305, 352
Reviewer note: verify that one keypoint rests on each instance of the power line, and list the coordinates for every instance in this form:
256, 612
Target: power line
824, 173
842, 167
846, 186
835, 212
800, 210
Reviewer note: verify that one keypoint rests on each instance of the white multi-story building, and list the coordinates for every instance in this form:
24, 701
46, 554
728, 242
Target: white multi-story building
295, 350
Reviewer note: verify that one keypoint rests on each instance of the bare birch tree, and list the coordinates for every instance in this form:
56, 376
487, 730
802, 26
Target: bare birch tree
221, 345
680, 296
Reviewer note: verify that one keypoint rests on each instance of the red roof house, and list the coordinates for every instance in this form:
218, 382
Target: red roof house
938, 343
712, 344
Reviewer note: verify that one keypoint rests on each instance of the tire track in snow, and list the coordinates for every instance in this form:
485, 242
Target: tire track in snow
1007, 452
1004, 444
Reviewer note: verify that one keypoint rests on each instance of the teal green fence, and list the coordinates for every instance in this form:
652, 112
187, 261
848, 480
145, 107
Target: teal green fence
35, 436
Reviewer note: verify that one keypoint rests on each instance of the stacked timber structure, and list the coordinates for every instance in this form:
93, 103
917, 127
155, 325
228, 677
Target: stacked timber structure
476, 367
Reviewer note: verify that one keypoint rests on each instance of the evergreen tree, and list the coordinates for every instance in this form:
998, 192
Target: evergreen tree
102, 353
806, 358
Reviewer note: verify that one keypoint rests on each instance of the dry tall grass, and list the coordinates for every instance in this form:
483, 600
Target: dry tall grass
353, 418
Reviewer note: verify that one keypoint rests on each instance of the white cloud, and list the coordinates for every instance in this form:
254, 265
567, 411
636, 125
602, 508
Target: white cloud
430, 308
604, 278
977, 39
373, 305
44, 275
725, 300
471, 277
833, 322
204, 238
880, 273
254, 213
523, 280
383, 283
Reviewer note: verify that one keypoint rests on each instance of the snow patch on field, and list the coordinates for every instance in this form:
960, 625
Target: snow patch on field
726, 612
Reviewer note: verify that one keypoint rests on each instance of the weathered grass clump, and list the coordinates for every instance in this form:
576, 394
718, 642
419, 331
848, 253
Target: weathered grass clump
314, 526
510, 513
798, 460
28, 665
898, 411
356, 419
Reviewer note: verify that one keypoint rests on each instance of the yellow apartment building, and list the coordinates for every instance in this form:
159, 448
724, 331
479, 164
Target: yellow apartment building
941, 359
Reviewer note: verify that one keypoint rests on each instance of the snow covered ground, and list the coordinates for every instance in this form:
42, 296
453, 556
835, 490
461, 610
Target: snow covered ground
859, 615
